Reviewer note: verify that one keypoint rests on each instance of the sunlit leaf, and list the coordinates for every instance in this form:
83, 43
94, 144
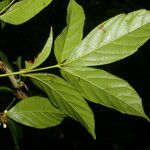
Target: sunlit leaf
3, 4
72, 33
66, 98
112, 40
24, 10
106, 89
43, 55
36, 112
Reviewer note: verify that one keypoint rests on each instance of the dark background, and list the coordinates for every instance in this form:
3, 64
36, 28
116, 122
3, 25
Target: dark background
115, 131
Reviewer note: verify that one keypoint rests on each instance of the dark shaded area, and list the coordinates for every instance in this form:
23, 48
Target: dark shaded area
114, 131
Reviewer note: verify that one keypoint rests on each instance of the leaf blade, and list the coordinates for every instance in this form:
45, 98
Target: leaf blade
66, 98
112, 40
43, 55
36, 112
4, 4
72, 33
24, 10
105, 89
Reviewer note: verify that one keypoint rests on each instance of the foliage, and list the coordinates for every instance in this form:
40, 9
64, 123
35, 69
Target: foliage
67, 94
21, 11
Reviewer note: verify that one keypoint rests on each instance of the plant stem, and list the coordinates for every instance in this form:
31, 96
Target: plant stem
13, 73
6, 70
17, 85
28, 71
3, 10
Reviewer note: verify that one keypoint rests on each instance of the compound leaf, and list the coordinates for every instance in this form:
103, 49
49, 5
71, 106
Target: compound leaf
113, 40
104, 88
36, 112
72, 33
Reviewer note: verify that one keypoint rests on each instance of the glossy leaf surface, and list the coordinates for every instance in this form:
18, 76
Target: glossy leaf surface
43, 55
66, 98
24, 10
36, 112
72, 33
106, 89
112, 40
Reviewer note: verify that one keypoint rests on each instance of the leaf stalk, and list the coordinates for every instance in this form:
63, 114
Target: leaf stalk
24, 71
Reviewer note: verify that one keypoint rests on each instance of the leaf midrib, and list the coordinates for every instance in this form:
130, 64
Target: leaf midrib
104, 91
33, 123
68, 30
78, 58
25, 3
36, 112
57, 93
78, 114
20, 7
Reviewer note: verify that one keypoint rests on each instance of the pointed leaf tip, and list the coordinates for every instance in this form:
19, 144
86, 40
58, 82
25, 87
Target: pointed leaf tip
66, 98
72, 33
23, 11
113, 40
103, 88
43, 55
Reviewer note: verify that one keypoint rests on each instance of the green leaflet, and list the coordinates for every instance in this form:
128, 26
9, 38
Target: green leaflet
43, 55
24, 10
72, 33
112, 40
36, 112
66, 98
104, 88
4, 3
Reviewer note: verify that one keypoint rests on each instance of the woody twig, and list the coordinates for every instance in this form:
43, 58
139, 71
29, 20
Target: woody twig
17, 85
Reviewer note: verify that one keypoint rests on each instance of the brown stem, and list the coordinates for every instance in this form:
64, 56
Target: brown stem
20, 94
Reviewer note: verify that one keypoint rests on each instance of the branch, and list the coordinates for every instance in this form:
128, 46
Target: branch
20, 94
